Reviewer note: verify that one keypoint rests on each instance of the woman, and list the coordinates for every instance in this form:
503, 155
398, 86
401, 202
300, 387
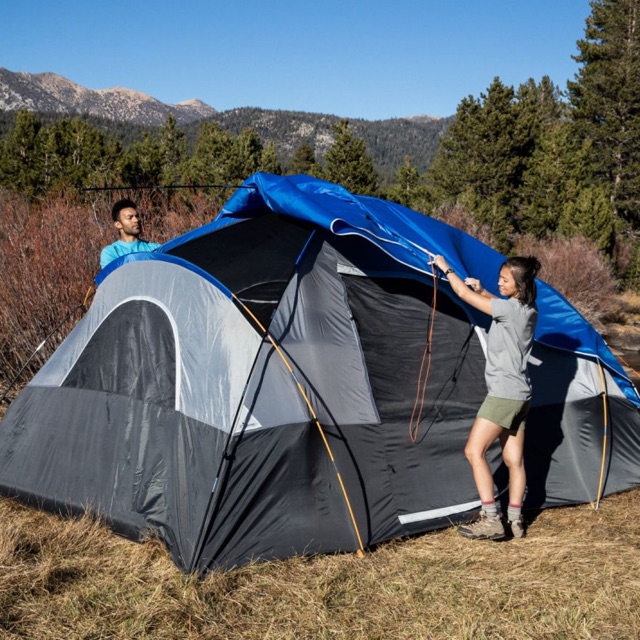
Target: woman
502, 415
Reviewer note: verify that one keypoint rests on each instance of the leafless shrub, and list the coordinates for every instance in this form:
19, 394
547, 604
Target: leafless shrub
49, 256
576, 268
457, 216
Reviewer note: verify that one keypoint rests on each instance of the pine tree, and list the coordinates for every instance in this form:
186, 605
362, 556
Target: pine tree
348, 164
482, 158
606, 100
21, 161
304, 161
246, 155
558, 170
75, 153
409, 189
538, 108
141, 165
269, 162
539, 105
631, 280
454, 167
590, 215
173, 151
211, 162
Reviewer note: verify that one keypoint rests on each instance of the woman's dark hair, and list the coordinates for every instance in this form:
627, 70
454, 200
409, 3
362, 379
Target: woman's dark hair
524, 271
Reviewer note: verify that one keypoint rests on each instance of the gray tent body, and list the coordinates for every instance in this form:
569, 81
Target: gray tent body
167, 410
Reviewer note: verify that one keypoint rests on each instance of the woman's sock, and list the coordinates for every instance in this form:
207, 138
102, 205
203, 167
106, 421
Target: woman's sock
514, 512
490, 509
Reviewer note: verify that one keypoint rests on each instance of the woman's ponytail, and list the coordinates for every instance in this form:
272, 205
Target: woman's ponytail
525, 270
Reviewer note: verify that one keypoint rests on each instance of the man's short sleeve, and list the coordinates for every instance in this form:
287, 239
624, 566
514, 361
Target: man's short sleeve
107, 255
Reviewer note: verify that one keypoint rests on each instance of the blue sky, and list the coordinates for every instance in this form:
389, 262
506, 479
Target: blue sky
352, 58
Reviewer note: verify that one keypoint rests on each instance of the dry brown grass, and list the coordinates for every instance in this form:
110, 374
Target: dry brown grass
630, 301
577, 575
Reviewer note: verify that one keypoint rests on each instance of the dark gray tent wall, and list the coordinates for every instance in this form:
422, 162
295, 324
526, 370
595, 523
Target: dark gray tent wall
167, 410
293, 504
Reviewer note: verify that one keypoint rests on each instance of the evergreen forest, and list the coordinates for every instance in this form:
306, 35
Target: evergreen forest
520, 167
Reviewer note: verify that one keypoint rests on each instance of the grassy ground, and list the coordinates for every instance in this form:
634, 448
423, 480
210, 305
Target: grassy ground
576, 575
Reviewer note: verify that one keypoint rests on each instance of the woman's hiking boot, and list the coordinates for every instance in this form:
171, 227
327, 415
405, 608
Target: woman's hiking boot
517, 528
485, 528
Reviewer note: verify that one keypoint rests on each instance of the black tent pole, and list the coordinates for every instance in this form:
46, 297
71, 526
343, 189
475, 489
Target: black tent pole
216, 494
167, 186
212, 507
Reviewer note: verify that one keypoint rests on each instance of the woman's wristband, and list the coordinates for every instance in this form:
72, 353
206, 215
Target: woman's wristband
448, 271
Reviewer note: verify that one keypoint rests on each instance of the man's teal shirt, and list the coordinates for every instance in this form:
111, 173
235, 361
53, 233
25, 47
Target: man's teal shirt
120, 248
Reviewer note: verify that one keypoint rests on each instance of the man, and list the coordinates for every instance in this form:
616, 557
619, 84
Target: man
127, 221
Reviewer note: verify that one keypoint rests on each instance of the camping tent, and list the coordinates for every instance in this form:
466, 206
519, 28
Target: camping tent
257, 388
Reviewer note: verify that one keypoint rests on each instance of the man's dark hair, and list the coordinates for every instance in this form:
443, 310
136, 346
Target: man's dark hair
125, 203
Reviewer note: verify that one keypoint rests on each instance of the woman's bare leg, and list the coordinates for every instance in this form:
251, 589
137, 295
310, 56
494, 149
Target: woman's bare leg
512, 443
483, 434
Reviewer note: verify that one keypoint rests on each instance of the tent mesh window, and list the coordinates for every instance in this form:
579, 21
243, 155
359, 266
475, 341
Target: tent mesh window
254, 259
133, 353
393, 317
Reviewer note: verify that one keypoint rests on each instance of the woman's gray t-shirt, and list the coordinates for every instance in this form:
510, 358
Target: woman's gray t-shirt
508, 348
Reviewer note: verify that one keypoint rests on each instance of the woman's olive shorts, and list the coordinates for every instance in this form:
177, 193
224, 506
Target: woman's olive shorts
509, 414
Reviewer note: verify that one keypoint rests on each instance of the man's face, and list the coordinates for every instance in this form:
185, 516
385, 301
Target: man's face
129, 223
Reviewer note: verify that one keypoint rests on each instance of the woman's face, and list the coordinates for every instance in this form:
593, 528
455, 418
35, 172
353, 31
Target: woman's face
506, 283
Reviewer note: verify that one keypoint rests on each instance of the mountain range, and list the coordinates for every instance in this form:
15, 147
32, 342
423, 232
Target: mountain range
50, 92
388, 141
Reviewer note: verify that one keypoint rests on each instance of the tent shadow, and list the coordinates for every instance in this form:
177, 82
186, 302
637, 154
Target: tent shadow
551, 378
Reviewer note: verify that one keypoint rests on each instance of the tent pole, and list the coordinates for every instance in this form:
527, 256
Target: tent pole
596, 506
268, 336
212, 507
